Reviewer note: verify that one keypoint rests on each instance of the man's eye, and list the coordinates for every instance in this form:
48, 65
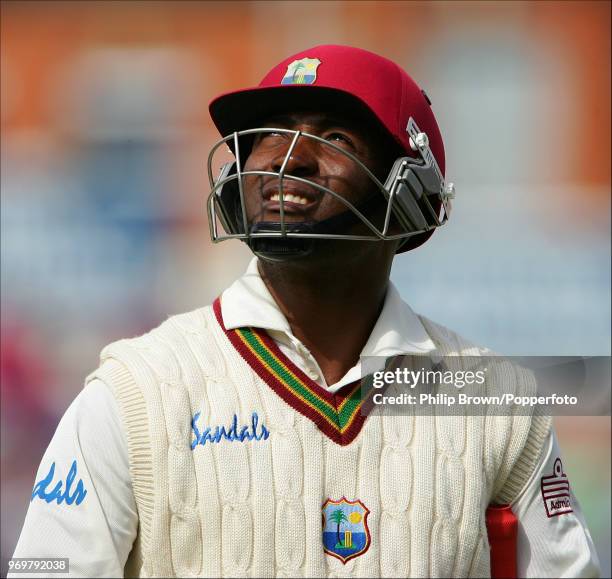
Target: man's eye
339, 137
268, 138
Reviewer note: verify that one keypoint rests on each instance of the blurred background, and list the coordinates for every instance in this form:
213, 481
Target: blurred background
105, 134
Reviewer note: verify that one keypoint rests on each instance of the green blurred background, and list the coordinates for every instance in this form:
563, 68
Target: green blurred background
105, 134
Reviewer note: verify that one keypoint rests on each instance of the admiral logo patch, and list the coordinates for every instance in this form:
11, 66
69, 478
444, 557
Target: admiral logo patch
345, 529
303, 71
556, 492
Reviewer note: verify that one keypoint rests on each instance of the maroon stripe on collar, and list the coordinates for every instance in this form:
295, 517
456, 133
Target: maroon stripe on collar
285, 392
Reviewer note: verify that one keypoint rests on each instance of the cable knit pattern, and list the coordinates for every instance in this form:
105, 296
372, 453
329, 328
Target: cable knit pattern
253, 508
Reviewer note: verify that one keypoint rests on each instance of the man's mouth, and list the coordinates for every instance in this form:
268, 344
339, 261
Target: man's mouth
290, 198
294, 201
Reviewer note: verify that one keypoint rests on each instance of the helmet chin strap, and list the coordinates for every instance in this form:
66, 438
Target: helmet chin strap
287, 248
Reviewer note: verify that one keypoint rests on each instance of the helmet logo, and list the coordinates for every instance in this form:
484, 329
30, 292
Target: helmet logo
302, 71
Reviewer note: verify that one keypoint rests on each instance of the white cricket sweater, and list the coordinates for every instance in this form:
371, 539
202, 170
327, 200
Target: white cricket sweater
231, 465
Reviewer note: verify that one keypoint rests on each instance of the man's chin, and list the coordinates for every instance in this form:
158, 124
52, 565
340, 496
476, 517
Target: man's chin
281, 249
304, 250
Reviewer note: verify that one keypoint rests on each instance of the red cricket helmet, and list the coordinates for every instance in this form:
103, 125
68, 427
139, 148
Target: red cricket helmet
334, 76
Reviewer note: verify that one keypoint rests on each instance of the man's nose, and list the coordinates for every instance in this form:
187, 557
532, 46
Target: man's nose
301, 162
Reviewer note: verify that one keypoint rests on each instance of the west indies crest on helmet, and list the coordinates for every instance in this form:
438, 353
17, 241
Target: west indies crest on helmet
337, 78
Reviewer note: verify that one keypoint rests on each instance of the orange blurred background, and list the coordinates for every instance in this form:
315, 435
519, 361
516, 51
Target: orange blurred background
105, 133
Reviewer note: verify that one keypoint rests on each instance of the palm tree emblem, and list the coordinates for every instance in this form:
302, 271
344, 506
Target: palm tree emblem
298, 73
345, 528
338, 517
302, 71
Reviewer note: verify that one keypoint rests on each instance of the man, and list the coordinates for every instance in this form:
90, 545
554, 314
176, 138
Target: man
233, 441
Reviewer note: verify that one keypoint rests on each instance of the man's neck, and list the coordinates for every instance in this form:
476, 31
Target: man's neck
331, 307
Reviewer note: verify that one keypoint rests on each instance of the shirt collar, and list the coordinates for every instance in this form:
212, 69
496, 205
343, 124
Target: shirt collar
398, 330
249, 303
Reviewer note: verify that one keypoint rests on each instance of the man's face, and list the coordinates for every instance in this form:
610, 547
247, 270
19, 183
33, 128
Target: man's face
316, 162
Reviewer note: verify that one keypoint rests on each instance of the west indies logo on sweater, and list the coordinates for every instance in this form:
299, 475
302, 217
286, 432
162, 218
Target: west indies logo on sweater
345, 528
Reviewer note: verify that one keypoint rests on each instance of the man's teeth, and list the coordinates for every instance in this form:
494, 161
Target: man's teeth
289, 198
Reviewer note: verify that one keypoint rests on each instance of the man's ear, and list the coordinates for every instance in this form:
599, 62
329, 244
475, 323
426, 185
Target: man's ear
390, 152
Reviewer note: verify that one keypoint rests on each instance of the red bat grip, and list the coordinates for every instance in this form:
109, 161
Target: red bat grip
502, 527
